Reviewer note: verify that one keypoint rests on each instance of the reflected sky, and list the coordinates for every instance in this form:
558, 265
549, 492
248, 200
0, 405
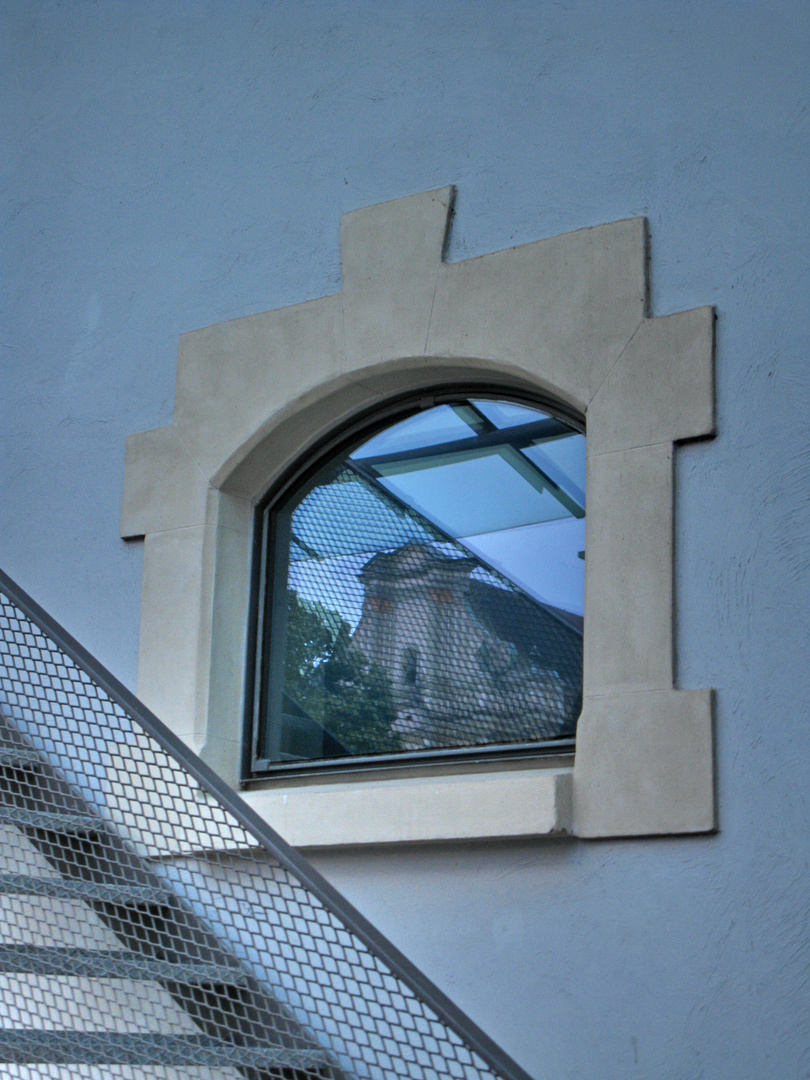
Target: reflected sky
515, 500
478, 495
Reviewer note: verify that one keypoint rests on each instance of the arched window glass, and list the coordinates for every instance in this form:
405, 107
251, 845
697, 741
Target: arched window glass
423, 592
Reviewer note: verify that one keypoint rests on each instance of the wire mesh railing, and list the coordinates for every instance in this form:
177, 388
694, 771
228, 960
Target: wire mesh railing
151, 924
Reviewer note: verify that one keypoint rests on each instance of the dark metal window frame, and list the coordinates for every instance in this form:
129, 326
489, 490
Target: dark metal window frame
268, 542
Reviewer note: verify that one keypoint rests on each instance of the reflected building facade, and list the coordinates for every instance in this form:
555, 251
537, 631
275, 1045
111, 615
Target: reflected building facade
471, 662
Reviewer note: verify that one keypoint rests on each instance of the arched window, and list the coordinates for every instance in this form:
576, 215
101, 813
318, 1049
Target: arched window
565, 318
422, 591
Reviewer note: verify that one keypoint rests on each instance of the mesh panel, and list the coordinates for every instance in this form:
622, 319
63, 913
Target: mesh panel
396, 638
145, 931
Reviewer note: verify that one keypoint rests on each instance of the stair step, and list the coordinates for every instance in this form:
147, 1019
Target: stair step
94, 964
113, 1048
70, 889
51, 821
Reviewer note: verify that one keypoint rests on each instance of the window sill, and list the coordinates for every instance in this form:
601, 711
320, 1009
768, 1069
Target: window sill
466, 806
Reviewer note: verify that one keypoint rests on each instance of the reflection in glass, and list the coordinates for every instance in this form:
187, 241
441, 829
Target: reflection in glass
428, 591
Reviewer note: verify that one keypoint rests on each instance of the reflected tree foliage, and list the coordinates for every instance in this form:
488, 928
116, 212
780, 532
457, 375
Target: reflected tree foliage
333, 681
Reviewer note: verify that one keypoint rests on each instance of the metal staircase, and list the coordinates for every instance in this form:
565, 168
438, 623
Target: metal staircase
153, 928
164, 943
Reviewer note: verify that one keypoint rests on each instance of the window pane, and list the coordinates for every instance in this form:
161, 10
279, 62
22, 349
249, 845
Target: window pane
474, 495
563, 461
442, 424
348, 515
430, 601
506, 414
545, 560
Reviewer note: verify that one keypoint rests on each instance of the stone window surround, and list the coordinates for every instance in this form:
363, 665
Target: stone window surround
564, 319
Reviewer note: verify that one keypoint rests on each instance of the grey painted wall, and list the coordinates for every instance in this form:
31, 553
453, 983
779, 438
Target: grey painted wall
167, 165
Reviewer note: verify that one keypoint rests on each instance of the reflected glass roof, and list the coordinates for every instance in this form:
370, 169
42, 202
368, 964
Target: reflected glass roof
368, 520
440, 425
434, 590
480, 466
473, 494
506, 414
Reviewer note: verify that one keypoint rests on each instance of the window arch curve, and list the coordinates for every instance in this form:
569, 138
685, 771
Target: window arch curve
452, 520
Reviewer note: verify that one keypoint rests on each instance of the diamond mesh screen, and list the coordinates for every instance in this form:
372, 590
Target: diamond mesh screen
151, 926
394, 637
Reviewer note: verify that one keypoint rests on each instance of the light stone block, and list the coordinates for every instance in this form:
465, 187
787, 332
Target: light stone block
645, 764
528, 802
562, 310
228, 511
391, 255
628, 571
224, 665
164, 487
176, 590
661, 387
233, 376
287, 434
223, 750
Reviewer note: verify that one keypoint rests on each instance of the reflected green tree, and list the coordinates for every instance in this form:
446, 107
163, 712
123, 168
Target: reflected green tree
334, 683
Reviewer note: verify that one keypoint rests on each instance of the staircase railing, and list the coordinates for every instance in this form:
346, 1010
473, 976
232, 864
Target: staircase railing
151, 918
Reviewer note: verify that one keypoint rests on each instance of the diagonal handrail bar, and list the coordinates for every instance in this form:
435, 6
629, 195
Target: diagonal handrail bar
268, 839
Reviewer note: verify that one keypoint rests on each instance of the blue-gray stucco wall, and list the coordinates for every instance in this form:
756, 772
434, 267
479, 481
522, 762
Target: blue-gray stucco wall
167, 164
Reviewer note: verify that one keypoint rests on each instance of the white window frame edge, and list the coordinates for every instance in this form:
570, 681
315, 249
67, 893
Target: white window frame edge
565, 318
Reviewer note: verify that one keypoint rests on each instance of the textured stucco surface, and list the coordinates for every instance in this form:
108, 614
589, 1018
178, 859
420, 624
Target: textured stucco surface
168, 166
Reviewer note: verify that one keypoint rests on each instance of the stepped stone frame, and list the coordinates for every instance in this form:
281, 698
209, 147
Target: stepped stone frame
564, 319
